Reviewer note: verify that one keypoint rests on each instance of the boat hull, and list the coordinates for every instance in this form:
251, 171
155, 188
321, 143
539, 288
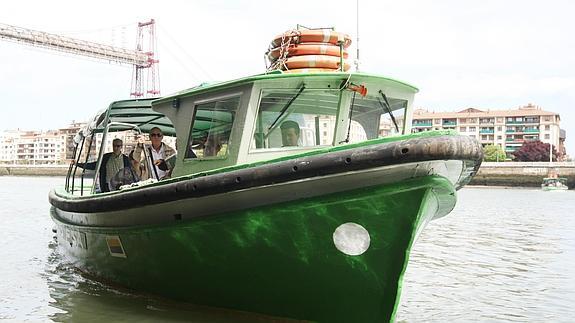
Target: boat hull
283, 259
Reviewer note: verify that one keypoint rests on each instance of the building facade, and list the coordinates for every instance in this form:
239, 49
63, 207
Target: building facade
31, 147
506, 128
24, 147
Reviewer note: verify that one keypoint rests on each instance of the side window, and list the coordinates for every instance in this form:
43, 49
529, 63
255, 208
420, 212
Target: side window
374, 116
211, 128
295, 118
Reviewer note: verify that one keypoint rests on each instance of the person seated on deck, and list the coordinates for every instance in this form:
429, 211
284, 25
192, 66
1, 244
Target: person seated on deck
213, 145
290, 133
111, 164
157, 154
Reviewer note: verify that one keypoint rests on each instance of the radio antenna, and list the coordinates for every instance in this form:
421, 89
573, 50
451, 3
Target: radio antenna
357, 35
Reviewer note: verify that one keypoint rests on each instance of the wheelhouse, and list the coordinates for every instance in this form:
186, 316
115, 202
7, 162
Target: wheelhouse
243, 121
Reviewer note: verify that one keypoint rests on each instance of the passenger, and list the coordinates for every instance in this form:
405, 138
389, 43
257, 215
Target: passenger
213, 145
158, 153
290, 133
111, 164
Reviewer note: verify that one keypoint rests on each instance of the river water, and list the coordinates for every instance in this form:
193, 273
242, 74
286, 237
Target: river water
501, 255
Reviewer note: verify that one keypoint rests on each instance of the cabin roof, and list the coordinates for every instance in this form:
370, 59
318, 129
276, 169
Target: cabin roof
206, 87
136, 112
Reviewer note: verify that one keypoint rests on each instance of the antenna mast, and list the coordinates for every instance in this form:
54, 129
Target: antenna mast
357, 35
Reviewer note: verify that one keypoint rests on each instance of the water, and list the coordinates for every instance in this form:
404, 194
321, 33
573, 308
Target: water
501, 255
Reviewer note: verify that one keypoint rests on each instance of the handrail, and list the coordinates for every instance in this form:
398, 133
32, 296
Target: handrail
76, 163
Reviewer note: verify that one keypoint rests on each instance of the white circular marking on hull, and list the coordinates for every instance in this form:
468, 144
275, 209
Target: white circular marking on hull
351, 238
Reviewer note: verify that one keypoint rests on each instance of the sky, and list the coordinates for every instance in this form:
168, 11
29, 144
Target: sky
483, 54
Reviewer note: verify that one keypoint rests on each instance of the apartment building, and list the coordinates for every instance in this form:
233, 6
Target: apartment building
506, 128
31, 147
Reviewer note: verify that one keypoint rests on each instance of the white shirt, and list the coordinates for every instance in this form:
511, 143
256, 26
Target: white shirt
157, 155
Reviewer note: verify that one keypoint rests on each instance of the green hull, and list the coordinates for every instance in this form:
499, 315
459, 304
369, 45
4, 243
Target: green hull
280, 259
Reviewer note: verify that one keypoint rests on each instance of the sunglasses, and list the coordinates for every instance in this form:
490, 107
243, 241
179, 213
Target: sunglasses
155, 135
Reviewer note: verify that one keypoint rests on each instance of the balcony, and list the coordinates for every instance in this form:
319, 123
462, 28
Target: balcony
422, 124
449, 123
510, 130
514, 122
531, 130
482, 131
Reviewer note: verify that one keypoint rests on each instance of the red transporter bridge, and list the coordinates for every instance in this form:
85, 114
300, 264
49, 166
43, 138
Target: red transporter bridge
145, 65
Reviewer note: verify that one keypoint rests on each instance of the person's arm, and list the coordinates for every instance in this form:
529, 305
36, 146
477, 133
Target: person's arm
90, 166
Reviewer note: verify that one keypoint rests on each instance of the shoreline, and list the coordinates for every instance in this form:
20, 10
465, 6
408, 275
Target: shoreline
487, 176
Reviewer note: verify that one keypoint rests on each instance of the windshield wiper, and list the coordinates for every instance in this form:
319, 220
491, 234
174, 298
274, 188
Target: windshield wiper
350, 119
284, 109
387, 108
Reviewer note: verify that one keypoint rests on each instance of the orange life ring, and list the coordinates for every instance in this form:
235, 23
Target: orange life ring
311, 70
312, 36
307, 49
314, 61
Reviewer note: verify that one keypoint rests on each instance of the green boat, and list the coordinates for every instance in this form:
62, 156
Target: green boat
554, 184
318, 229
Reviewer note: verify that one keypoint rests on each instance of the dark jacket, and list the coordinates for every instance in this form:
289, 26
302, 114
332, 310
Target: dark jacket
103, 181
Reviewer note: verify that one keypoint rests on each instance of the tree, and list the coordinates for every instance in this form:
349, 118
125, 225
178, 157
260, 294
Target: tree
533, 151
493, 153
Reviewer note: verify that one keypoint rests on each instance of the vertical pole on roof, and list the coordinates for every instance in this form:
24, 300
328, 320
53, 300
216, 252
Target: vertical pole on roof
340, 42
357, 35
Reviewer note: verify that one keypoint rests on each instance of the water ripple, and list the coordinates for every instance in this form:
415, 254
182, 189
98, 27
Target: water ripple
502, 255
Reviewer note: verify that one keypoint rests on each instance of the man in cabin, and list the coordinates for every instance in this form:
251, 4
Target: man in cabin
111, 164
213, 145
157, 154
290, 133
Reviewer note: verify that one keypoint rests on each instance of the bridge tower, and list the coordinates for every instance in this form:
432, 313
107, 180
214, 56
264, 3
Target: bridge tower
146, 44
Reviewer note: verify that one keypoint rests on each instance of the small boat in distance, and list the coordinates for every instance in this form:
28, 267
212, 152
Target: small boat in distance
554, 184
296, 195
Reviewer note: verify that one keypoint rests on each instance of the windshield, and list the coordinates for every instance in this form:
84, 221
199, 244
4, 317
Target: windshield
296, 118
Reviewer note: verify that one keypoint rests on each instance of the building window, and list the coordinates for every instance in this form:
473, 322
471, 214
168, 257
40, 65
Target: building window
498, 137
547, 136
462, 129
499, 128
437, 121
547, 127
471, 129
547, 119
462, 120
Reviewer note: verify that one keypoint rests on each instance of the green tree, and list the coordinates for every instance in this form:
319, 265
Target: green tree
493, 153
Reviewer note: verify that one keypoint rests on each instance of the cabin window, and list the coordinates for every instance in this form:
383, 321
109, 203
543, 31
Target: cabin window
292, 118
374, 116
211, 128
